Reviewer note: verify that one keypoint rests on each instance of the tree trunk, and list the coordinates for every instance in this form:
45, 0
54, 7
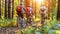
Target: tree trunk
9, 6
58, 13
0, 8
12, 9
27, 2
35, 9
6, 9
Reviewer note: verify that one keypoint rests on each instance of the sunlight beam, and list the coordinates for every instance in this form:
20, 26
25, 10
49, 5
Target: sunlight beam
40, 1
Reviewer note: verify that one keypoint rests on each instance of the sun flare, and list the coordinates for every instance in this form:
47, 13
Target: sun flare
40, 1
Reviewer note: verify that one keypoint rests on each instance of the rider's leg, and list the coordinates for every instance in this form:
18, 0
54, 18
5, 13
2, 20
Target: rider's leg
19, 22
23, 24
30, 20
27, 21
22, 21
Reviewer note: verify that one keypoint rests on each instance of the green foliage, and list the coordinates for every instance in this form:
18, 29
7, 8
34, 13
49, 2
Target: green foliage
28, 31
51, 31
7, 22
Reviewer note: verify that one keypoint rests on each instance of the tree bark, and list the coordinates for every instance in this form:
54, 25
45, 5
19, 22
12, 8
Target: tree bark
0, 8
9, 6
6, 9
35, 9
58, 13
12, 9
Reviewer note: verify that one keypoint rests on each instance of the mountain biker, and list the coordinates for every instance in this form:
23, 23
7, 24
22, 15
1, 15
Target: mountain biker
43, 14
20, 13
29, 14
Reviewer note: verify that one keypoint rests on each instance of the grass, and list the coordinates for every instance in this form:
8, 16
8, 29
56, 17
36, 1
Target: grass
48, 28
7, 22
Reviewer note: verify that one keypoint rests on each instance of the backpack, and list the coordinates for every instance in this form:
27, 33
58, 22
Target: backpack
29, 10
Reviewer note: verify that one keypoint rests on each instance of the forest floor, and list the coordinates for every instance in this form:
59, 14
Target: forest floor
9, 30
14, 30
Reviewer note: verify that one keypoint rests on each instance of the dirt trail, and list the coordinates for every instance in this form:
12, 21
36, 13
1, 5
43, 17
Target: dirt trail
10, 30
14, 30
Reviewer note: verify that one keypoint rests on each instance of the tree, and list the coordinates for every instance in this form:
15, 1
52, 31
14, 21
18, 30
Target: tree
0, 8
12, 8
58, 13
9, 7
6, 9
51, 5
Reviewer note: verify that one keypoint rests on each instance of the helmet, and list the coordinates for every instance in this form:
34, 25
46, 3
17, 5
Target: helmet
21, 3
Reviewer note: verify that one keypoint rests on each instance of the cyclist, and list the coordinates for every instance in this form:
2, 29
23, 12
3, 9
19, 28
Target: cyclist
29, 14
43, 14
20, 13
